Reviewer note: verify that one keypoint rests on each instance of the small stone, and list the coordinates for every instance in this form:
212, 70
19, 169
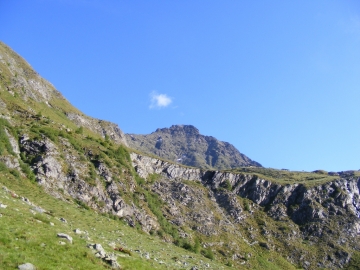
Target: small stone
63, 220
146, 256
3, 205
38, 209
98, 247
24, 199
26, 266
110, 257
62, 243
67, 237
101, 254
52, 224
306, 264
115, 265
77, 231
0, 215
42, 245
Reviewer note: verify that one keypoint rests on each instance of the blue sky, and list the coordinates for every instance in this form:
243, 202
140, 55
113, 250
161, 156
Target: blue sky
280, 80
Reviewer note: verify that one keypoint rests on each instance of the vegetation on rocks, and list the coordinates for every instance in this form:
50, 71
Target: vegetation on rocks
75, 195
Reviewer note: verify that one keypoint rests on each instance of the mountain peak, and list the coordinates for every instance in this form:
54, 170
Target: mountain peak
184, 144
178, 129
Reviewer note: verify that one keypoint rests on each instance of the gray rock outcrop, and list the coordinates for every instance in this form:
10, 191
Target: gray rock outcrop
48, 165
27, 266
184, 144
109, 258
314, 210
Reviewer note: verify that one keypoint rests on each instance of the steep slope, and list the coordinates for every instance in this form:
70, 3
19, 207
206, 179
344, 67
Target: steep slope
185, 145
167, 216
30, 95
313, 224
31, 219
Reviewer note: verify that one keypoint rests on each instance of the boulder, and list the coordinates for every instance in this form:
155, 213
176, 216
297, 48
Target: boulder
27, 266
65, 236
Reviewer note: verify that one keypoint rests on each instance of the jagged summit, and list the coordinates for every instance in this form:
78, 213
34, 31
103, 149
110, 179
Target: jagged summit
184, 144
174, 129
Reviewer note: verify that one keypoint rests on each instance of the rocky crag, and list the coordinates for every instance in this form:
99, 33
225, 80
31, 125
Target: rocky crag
36, 95
40, 124
250, 217
185, 145
323, 214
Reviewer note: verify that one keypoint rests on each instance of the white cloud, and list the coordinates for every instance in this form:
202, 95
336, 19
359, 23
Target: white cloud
159, 100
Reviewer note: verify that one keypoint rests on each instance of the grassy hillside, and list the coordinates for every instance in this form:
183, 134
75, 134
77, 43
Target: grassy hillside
77, 168
27, 236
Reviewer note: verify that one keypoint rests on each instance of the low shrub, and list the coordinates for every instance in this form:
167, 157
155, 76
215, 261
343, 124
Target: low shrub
80, 130
208, 253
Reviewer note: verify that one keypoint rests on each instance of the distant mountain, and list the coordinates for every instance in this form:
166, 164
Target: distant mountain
184, 144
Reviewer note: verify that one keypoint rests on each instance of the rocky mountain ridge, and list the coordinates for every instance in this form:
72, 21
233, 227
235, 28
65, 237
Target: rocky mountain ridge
185, 145
313, 210
249, 217
22, 82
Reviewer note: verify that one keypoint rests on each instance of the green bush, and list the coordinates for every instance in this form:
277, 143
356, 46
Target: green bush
152, 178
246, 206
48, 132
155, 204
4, 140
3, 167
15, 173
226, 185
82, 204
197, 246
188, 246
80, 130
26, 169
208, 253
140, 181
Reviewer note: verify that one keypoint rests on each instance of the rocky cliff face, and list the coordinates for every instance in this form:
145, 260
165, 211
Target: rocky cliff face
240, 219
43, 125
325, 214
184, 144
64, 173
